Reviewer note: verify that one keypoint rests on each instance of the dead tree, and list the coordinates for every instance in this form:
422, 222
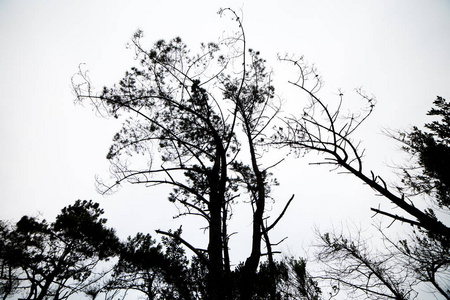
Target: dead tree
324, 127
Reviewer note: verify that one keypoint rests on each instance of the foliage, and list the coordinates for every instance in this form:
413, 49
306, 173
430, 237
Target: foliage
144, 266
9, 280
428, 253
58, 259
306, 286
432, 150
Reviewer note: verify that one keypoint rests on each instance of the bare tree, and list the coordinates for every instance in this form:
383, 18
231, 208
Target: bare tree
352, 263
427, 259
324, 127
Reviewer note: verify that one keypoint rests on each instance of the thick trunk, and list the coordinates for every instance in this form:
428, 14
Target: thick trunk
226, 255
215, 269
252, 262
272, 288
216, 284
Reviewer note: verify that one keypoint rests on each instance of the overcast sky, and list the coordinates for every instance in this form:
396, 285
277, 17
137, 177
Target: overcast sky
51, 150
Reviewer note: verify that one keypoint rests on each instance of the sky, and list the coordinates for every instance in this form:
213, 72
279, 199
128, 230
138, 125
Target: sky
52, 150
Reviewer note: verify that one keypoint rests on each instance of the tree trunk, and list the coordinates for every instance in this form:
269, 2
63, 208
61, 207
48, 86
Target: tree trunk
215, 270
215, 287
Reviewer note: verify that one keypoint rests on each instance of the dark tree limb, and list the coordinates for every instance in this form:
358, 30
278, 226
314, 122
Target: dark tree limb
396, 217
177, 237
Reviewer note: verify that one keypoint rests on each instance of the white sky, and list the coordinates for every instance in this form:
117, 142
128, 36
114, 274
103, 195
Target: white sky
51, 149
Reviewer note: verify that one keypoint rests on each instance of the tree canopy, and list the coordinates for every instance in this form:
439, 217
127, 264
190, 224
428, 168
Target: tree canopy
202, 121
57, 259
432, 151
199, 121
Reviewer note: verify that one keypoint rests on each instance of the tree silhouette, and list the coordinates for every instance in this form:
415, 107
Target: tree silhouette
9, 275
431, 149
198, 120
58, 259
146, 267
